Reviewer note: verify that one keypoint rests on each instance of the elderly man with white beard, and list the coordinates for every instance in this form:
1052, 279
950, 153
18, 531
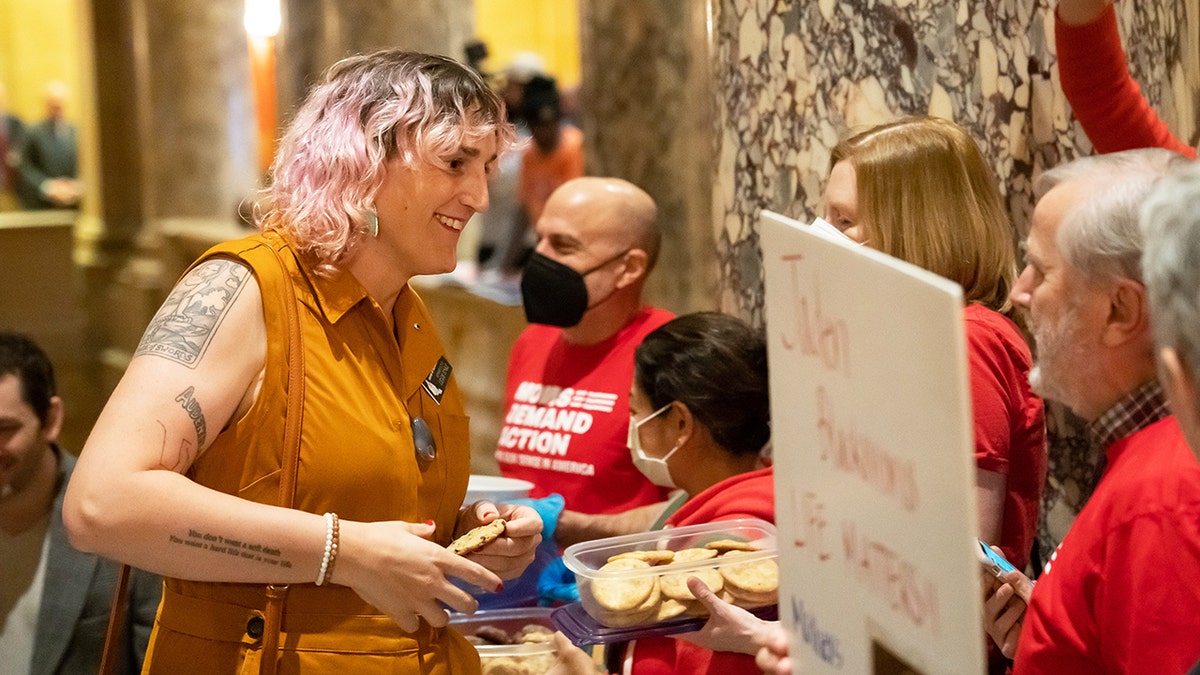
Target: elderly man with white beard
1119, 595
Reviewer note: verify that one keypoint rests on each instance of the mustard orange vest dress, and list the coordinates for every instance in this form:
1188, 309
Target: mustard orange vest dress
363, 387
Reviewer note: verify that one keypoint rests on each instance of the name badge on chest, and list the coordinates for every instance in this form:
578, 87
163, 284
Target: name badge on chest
435, 381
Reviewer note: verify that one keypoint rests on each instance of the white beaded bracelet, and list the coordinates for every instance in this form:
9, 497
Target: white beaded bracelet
331, 547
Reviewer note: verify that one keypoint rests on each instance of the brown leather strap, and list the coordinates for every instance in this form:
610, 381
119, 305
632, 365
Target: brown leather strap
272, 626
289, 464
295, 402
116, 623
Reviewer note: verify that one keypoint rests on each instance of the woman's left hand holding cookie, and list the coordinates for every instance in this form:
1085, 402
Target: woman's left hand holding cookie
509, 555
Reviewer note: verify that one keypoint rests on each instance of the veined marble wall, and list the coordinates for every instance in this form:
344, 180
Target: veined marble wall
787, 79
792, 77
1163, 42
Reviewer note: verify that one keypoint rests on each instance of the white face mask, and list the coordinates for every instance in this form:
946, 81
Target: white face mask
653, 468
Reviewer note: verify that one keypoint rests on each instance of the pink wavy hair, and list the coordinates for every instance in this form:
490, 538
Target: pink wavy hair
369, 110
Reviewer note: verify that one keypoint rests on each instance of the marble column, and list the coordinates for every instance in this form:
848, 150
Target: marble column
115, 212
176, 143
317, 33
646, 114
174, 111
118, 56
201, 121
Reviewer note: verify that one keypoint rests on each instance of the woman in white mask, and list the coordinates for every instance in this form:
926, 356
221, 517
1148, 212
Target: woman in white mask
699, 421
699, 412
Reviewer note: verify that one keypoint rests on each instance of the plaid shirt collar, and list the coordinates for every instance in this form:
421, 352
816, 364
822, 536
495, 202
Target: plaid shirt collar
1135, 411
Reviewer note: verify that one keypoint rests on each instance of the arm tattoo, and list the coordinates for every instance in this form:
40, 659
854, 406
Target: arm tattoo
214, 543
184, 325
174, 460
187, 399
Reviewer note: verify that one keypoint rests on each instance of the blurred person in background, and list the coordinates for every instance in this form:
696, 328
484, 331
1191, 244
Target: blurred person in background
504, 226
12, 130
49, 160
554, 157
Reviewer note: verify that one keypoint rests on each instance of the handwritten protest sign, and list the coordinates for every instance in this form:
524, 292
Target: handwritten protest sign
875, 474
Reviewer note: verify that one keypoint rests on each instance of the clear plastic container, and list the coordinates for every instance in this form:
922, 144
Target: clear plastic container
646, 594
526, 658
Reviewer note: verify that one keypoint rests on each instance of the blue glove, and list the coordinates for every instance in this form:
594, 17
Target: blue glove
547, 509
557, 584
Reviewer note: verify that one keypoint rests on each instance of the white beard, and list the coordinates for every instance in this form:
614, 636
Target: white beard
1065, 367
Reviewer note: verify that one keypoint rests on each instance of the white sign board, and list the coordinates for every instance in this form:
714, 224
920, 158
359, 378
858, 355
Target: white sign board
874, 464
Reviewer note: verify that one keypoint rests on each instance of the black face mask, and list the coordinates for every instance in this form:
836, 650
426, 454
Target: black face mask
553, 293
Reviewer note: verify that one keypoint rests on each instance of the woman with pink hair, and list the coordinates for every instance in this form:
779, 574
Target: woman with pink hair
382, 168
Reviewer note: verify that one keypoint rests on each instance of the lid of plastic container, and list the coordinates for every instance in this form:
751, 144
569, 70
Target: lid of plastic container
586, 558
514, 616
574, 622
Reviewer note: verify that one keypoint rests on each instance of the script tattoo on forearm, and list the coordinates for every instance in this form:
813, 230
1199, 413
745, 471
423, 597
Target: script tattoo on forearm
174, 460
215, 543
184, 325
187, 399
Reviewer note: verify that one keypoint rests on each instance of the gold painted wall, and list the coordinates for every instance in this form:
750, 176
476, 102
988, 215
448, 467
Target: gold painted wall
549, 28
39, 42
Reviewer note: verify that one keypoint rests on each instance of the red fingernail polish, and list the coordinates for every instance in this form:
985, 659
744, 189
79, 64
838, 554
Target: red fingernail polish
429, 522
500, 588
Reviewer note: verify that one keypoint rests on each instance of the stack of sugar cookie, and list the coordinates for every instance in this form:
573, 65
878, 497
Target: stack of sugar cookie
627, 593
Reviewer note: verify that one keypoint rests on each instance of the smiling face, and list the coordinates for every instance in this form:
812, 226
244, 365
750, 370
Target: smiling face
841, 201
24, 439
423, 208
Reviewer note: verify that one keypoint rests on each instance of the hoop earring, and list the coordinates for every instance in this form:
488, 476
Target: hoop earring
372, 221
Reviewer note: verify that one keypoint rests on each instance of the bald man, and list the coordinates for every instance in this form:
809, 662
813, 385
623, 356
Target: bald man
567, 397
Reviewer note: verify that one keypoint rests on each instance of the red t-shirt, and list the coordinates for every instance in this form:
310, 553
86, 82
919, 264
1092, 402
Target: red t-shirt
1120, 595
1010, 433
566, 419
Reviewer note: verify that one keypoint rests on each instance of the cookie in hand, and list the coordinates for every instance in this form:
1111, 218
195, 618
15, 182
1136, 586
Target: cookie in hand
477, 538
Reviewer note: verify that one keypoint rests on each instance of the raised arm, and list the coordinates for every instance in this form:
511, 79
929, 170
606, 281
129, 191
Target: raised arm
1079, 12
198, 367
1096, 81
